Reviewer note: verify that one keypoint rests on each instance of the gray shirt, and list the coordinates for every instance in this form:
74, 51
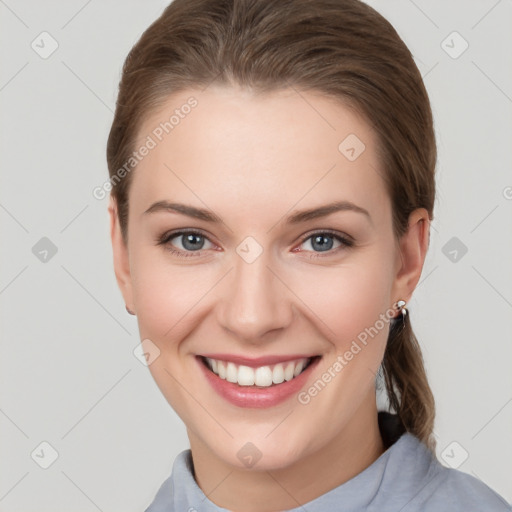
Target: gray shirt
405, 478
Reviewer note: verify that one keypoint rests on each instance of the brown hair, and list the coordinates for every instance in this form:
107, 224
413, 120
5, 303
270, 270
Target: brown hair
341, 48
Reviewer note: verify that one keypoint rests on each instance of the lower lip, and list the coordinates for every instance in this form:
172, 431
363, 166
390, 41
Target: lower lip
250, 396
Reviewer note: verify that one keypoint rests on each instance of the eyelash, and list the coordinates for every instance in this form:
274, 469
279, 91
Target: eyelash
347, 242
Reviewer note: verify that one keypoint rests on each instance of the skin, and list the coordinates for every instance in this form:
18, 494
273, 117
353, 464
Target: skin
253, 160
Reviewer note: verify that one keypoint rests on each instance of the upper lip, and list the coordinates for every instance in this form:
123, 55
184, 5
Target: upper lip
255, 362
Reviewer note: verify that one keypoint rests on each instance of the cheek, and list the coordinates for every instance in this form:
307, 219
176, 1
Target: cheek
163, 294
349, 299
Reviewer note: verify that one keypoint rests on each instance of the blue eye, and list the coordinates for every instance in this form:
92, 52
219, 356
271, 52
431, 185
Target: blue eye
323, 241
193, 243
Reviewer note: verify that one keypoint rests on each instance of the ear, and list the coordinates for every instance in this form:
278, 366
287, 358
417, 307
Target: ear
120, 253
412, 250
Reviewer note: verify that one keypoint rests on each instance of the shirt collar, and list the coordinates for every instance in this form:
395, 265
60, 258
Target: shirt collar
181, 492
359, 491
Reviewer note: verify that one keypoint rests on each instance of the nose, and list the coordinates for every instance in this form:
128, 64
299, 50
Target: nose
255, 301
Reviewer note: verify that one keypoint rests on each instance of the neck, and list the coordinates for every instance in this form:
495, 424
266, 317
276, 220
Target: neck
348, 454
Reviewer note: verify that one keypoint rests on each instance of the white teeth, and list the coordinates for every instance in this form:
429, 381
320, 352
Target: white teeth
298, 368
278, 374
245, 376
221, 368
231, 372
263, 376
288, 371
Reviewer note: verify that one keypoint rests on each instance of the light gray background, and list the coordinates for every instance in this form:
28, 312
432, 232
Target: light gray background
68, 373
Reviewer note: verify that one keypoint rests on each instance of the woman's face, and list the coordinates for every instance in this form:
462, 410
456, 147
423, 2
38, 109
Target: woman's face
255, 279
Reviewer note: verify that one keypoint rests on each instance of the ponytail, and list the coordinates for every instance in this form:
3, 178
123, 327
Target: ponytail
407, 387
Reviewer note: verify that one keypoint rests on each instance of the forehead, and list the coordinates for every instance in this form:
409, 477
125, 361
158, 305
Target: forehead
235, 147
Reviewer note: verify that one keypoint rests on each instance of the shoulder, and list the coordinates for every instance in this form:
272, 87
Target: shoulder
436, 488
459, 491
163, 500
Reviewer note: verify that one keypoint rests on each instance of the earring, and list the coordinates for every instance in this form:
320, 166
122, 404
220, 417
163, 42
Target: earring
129, 310
400, 306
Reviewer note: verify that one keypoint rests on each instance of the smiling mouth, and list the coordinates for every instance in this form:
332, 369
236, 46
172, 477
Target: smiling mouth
262, 376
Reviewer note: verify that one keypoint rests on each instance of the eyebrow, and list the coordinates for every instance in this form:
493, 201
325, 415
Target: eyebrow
295, 218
